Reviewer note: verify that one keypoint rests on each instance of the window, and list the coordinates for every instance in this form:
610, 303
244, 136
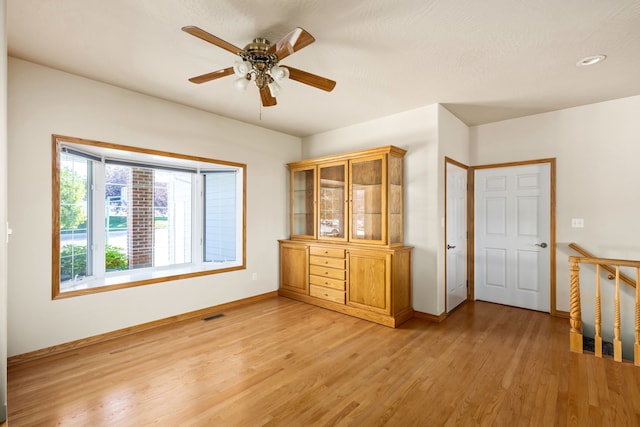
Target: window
126, 216
75, 181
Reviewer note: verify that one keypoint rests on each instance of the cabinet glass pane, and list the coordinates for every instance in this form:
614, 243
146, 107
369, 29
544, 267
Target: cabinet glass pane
366, 202
395, 199
303, 202
332, 197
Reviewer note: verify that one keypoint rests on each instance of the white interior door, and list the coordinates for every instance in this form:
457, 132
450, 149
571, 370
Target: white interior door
456, 235
512, 235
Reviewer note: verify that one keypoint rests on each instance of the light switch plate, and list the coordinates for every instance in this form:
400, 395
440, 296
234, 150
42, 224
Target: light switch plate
577, 222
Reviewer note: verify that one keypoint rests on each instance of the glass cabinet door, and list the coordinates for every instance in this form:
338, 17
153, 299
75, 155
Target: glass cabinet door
332, 200
368, 200
303, 202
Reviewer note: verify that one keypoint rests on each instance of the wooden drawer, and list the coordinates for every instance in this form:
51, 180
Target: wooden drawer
327, 282
326, 262
332, 273
327, 294
323, 251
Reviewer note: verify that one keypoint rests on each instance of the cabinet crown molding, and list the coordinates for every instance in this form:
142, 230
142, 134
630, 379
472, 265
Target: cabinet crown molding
387, 149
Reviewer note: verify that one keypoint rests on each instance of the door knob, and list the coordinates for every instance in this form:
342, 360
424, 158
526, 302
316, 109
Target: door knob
542, 245
450, 247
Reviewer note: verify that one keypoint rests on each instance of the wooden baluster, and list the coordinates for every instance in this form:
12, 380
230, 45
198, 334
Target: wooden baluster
598, 337
575, 315
617, 344
636, 345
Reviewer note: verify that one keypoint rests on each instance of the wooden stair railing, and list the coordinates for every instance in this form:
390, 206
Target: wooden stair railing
612, 272
575, 315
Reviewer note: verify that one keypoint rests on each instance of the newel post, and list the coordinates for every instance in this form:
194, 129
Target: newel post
575, 314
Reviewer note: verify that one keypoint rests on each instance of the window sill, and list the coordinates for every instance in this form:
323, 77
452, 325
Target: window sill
131, 278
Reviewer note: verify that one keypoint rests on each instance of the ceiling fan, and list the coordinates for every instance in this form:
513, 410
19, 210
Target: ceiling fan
260, 63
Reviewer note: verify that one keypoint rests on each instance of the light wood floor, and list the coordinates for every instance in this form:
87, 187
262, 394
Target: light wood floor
284, 363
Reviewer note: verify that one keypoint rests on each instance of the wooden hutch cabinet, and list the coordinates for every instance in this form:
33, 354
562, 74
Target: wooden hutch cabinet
346, 248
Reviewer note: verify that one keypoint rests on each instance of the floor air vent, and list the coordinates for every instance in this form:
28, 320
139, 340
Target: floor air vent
215, 316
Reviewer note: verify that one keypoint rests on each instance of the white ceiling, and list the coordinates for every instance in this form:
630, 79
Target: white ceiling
484, 60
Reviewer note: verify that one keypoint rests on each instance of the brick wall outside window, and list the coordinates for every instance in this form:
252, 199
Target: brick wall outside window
141, 217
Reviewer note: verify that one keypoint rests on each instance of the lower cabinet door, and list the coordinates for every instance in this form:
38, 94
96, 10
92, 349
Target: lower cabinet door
369, 283
294, 267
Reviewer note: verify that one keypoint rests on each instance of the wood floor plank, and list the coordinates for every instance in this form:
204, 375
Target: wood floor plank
279, 362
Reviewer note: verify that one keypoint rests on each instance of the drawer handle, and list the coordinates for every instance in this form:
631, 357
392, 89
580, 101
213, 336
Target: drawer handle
326, 262
326, 252
326, 283
326, 272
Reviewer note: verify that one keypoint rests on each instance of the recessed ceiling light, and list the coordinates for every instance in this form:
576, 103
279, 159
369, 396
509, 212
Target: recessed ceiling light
591, 60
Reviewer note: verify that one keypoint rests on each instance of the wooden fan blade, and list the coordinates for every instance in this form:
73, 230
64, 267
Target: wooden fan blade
202, 34
212, 76
310, 79
267, 99
292, 42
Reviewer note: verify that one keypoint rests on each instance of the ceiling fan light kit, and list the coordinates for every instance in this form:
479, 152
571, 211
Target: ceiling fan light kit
260, 64
242, 83
279, 73
242, 68
262, 76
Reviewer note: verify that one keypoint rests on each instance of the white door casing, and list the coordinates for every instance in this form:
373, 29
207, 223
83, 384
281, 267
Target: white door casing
456, 235
513, 235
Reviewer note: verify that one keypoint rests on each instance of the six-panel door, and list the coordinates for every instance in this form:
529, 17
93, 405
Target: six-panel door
512, 235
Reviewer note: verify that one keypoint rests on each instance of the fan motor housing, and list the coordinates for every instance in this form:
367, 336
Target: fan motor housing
257, 52
258, 45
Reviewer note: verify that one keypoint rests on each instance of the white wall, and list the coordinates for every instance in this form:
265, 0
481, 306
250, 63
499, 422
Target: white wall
3, 211
428, 134
453, 142
597, 148
417, 132
41, 102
